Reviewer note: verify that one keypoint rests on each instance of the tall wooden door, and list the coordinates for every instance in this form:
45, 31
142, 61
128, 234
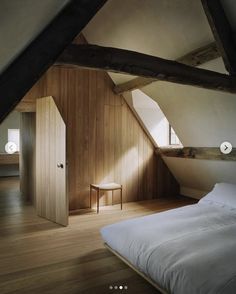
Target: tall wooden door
51, 196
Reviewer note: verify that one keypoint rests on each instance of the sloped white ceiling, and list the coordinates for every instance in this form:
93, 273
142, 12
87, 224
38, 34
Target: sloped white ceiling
20, 22
200, 117
164, 28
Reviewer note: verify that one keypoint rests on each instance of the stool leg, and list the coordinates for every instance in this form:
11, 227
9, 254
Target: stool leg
112, 197
121, 198
90, 201
98, 194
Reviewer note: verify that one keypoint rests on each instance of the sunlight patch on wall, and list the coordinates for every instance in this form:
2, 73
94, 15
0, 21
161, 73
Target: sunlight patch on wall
130, 162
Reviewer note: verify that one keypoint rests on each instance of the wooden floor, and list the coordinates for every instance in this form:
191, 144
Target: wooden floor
37, 256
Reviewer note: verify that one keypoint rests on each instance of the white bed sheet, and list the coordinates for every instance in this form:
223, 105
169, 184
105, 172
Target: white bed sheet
186, 250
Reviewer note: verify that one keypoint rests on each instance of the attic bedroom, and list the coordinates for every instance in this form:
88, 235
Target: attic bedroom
117, 146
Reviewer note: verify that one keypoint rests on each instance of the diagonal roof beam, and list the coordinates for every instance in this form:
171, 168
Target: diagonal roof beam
139, 64
29, 66
222, 32
193, 58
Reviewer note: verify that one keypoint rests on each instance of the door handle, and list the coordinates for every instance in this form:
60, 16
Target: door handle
60, 165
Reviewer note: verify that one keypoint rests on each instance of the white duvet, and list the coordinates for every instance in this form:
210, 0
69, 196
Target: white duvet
187, 250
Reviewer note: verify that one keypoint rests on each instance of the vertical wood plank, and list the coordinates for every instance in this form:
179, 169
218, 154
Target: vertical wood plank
99, 161
92, 127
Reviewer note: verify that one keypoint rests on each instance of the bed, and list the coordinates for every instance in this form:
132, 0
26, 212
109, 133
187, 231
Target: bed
191, 249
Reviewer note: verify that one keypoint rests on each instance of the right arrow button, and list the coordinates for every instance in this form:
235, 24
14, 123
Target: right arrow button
226, 147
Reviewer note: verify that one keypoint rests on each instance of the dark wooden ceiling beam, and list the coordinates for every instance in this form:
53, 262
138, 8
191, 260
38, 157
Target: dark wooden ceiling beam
139, 64
222, 32
209, 153
193, 58
29, 66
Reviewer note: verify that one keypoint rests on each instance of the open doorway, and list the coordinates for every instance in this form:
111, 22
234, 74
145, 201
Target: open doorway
33, 158
9, 158
10, 145
17, 153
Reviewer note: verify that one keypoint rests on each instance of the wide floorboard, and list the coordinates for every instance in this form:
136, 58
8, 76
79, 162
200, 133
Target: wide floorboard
37, 256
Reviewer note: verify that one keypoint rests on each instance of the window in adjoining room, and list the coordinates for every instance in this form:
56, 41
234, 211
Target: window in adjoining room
14, 136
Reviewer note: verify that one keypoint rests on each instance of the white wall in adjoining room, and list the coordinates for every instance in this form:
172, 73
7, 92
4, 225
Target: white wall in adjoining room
12, 121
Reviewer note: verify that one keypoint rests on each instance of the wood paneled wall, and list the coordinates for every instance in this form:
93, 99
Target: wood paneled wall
105, 142
27, 155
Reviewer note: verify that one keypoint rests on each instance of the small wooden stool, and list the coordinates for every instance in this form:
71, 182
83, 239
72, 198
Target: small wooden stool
105, 187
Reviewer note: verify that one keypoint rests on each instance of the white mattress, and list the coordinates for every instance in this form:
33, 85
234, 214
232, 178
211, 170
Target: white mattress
186, 250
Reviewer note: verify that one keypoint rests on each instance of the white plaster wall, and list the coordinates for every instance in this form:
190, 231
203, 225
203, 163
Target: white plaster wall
12, 121
197, 177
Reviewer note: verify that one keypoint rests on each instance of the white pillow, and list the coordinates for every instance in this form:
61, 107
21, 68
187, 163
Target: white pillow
222, 193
